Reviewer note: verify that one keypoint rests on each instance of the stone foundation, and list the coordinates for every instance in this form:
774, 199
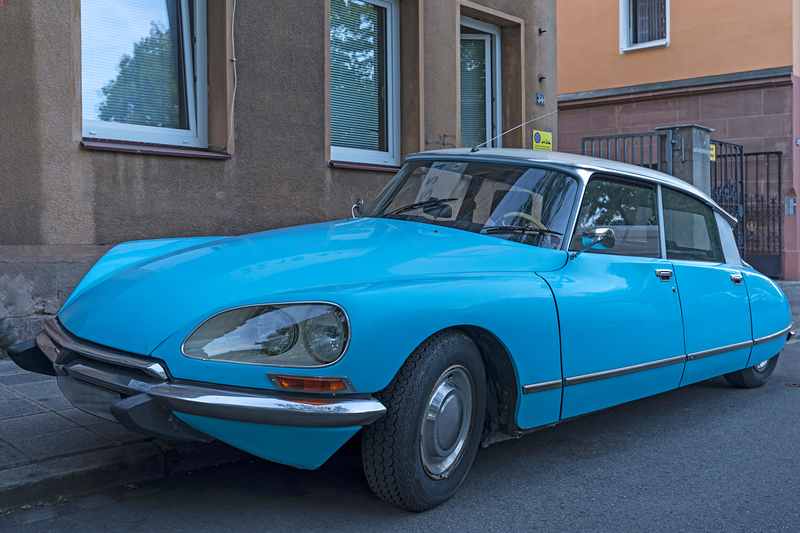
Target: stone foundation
35, 281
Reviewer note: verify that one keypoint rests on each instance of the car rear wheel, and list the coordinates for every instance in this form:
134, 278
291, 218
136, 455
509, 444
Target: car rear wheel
754, 376
418, 454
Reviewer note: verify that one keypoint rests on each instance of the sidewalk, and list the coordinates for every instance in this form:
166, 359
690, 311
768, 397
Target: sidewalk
50, 449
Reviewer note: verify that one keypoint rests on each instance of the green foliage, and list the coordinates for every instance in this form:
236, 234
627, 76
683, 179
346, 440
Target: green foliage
145, 92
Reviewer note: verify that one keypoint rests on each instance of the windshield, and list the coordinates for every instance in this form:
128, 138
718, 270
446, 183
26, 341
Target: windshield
507, 201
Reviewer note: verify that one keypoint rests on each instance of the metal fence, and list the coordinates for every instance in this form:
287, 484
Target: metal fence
651, 149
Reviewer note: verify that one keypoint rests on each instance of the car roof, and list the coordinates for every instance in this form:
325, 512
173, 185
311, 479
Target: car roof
592, 164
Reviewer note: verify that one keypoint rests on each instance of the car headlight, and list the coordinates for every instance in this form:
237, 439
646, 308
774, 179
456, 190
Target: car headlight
303, 335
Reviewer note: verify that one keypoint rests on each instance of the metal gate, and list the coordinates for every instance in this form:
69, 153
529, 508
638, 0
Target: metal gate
748, 185
762, 209
727, 186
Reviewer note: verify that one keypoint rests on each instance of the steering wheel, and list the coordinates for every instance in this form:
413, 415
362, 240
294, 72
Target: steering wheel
526, 216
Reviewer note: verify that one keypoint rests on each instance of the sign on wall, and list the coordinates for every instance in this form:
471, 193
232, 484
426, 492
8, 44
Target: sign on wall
542, 140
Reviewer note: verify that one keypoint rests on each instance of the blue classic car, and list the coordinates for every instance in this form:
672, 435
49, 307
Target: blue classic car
485, 294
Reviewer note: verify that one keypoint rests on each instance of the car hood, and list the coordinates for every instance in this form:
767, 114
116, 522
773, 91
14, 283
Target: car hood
139, 307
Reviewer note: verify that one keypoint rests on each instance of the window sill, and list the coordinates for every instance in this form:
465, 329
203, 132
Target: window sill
363, 166
661, 43
153, 149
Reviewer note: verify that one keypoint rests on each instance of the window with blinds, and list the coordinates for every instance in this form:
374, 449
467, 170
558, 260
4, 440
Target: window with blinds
480, 97
476, 111
143, 71
648, 20
363, 77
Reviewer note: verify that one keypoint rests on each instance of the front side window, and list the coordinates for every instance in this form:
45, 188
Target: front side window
143, 71
690, 229
364, 70
628, 209
512, 202
643, 24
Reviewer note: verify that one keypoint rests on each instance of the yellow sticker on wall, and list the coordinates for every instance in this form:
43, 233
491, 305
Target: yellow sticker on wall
713, 152
542, 140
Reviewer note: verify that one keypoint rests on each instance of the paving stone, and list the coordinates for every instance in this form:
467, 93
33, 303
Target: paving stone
9, 367
81, 418
31, 425
7, 394
46, 393
23, 378
58, 443
14, 407
9, 456
115, 432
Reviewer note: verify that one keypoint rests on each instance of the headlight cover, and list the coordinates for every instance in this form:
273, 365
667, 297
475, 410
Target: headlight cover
287, 335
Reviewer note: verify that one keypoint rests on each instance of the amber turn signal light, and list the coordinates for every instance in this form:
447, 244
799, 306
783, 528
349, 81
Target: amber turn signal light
301, 383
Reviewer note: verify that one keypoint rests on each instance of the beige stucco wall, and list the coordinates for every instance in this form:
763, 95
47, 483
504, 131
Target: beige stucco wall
54, 192
707, 37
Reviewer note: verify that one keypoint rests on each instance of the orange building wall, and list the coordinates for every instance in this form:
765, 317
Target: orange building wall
707, 37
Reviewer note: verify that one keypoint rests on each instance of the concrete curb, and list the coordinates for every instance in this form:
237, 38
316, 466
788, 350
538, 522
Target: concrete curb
82, 473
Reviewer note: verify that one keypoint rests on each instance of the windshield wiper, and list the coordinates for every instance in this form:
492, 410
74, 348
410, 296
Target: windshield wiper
519, 229
429, 202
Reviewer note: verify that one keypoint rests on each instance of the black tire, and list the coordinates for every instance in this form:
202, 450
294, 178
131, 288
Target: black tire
752, 377
392, 447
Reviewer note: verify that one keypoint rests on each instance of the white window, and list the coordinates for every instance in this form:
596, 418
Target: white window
643, 24
143, 71
481, 105
365, 76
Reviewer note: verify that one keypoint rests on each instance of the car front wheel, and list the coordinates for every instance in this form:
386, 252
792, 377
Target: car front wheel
754, 376
418, 454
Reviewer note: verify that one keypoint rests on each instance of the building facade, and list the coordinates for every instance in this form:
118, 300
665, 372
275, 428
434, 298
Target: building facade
148, 119
636, 65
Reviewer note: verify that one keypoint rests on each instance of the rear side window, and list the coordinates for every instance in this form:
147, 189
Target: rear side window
690, 229
628, 209
729, 247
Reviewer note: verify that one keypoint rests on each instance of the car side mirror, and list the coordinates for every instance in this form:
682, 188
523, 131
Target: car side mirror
358, 206
603, 238
438, 210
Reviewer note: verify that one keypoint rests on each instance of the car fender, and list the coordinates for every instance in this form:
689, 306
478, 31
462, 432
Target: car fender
769, 312
389, 319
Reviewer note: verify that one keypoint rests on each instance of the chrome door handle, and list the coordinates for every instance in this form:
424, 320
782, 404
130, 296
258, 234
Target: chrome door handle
663, 274
736, 279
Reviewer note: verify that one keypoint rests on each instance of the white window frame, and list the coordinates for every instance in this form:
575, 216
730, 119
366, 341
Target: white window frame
493, 109
196, 96
626, 31
391, 157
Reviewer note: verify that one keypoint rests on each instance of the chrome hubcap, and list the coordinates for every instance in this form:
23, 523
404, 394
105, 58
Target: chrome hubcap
761, 366
447, 422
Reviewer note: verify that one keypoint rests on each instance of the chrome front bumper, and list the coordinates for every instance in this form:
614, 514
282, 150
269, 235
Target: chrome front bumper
115, 374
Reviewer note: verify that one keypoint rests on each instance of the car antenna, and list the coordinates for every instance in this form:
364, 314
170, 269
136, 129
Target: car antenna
475, 149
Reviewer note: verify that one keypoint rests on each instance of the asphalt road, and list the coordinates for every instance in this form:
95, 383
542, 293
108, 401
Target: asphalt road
707, 457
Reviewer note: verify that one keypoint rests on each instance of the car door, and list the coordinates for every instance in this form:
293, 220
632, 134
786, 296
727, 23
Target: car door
713, 295
619, 312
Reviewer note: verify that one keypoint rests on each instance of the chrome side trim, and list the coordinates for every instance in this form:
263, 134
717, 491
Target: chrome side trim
107, 355
716, 351
240, 406
541, 387
762, 340
607, 374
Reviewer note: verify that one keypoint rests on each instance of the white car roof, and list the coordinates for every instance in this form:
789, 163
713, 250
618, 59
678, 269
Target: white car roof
592, 164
